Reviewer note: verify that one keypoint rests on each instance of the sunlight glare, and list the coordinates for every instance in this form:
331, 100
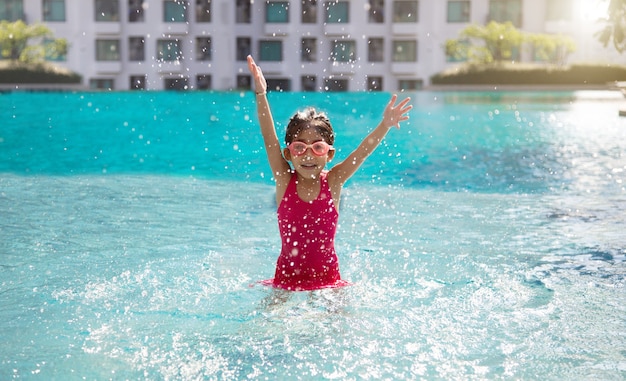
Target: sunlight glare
592, 10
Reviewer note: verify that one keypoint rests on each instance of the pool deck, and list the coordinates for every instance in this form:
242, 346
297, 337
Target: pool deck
608, 86
43, 87
622, 87
618, 85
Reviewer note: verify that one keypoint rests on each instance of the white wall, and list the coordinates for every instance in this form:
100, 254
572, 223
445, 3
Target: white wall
431, 31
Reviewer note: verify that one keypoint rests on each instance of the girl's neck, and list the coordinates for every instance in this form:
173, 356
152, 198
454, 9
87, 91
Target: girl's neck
308, 179
308, 188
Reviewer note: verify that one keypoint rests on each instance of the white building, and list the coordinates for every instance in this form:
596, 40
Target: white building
302, 45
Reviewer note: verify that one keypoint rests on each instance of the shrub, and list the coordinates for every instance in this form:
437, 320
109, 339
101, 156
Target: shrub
36, 74
518, 74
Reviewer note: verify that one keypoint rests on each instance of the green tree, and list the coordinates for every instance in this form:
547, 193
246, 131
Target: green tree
551, 48
24, 43
494, 42
614, 26
498, 42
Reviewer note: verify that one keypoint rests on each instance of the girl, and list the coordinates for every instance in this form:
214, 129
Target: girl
308, 196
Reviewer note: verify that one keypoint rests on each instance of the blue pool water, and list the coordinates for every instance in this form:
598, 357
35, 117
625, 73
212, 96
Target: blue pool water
485, 240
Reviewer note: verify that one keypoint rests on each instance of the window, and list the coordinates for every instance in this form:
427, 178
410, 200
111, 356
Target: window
244, 82
279, 84
101, 84
203, 49
410, 84
337, 12
405, 51
277, 12
375, 51
458, 11
244, 11
243, 48
405, 11
376, 11
343, 51
334, 84
135, 10
203, 10
107, 10
203, 82
50, 53
136, 49
179, 84
137, 82
506, 10
169, 50
374, 83
308, 82
309, 50
538, 55
107, 50
515, 53
309, 11
457, 57
174, 11
543, 54
560, 10
12, 10
271, 51
54, 10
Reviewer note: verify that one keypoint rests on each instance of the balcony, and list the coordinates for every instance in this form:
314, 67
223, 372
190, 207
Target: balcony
401, 29
277, 29
169, 67
273, 67
108, 67
343, 67
174, 29
108, 28
337, 29
404, 67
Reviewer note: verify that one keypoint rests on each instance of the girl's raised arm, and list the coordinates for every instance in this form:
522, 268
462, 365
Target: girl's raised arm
278, 164
392, 116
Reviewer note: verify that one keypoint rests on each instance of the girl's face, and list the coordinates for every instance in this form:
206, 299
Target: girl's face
309, 164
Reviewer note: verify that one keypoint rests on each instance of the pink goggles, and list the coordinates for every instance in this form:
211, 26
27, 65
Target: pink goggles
320, 148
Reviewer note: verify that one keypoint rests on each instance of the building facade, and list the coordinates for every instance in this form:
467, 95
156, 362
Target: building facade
302, 45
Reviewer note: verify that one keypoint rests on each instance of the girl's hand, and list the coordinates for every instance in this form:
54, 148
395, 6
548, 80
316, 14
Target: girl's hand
394, 114
260, 85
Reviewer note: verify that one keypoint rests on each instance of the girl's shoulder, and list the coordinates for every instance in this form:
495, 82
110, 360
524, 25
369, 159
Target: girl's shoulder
334, 185
282, 183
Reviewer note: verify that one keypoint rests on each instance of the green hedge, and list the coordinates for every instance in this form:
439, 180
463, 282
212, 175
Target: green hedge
535, 75
37, 74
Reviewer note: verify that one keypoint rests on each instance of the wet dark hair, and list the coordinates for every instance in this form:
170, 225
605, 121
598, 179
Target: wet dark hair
310, 118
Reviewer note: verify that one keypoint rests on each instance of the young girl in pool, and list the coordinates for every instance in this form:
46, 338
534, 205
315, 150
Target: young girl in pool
307, 195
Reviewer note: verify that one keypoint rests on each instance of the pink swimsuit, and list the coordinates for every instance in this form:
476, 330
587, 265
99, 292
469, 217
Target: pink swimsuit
307, 259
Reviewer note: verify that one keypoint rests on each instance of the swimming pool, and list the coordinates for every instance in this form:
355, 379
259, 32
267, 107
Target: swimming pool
485, 240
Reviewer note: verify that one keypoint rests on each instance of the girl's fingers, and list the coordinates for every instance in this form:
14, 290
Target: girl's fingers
404, 102
392, 101
403, 106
